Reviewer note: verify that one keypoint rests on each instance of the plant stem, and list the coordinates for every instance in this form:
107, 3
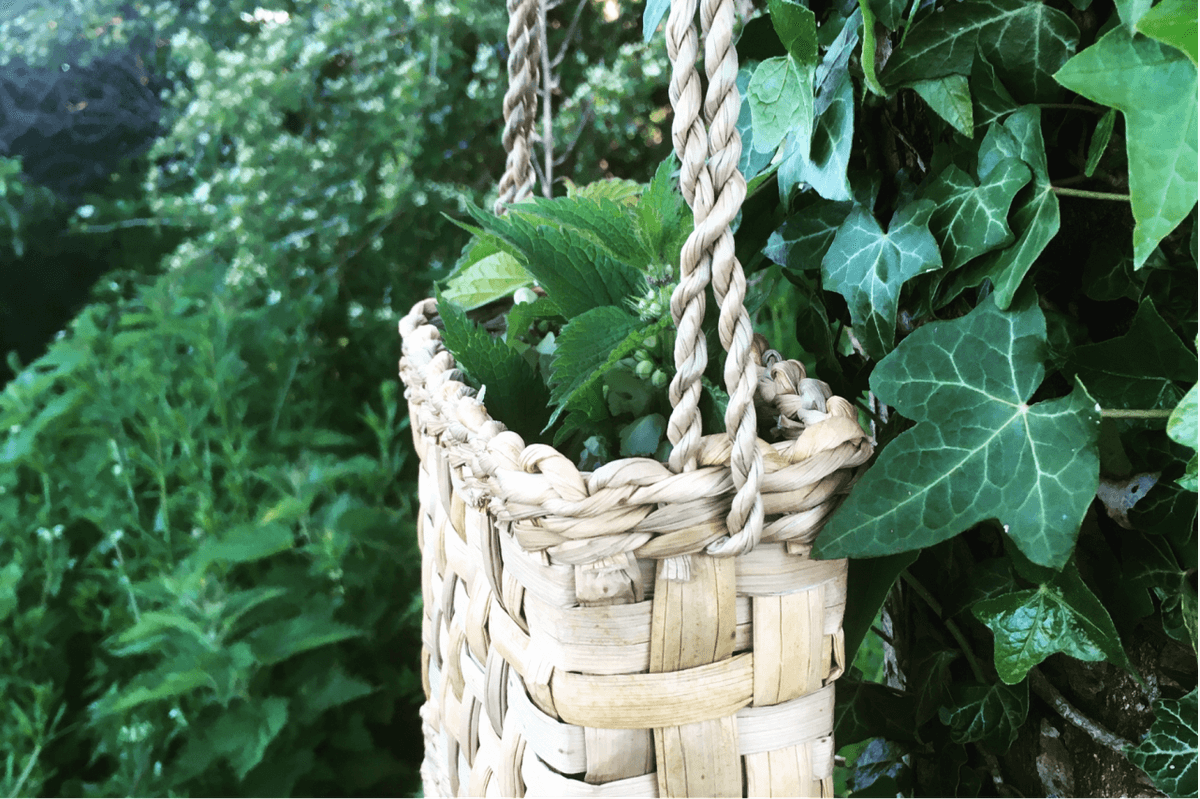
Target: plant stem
1050, 695
936, 607
37, 750
1090, 195
1069, 107
1136, 413
908, 20
868, 49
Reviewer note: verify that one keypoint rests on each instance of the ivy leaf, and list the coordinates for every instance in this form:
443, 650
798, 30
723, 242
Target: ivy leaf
950, 98
486, 280
1034, 218
652, 16
587, 346
1181, 427
1154, 86
979, 450
868, 267
822, 162
1025, 42
872, 579
1172, 22
889, 12
1130, 12
1168, 754
781, 101
1062, 615
752, 161
865, 710
1099, 143
989, 713
805, 236
797, 29
1140, 369
991, 100
971, 218
835, 65
514, 394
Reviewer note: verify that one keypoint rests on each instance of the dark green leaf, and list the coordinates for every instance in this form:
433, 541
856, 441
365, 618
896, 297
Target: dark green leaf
587, 347
950, 98
1168, 754
872, 579
607, 222
835, 64
1099, 143
247, 542
932, 681
642, 436
1060, 616
971, 218
865, 710
805, 237
890, 12
10, 578
822, 162
1025, 41
281, 640
868, 267
1154, 86
986, 579
991, 100
797, 29
989, 713
979, 450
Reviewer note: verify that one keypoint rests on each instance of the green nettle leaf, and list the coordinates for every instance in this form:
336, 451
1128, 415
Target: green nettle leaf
513, 392
281, 640
587, 346
1172, 22
1035, 217
664, 220
989, 713
972, 218
781, 101
868, 267
1168, 754
822, 163
805, 236
1062, 615
1139, 370
1181, 427
609, 223
1154, 86
1099, 143
979, 450
486, 280
950, 98
797, 29
1025, 41
991, 100
652, 16
247, 542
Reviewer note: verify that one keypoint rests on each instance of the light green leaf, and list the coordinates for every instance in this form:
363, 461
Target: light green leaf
332, 689
797, 29
1035, 217
1140, 369
781, 101
990, 713
652, 15
487, 280
979, 450
1168, 754
1181, 427
950, 98
609, 223
642, 436
152, 686
752, 161
1154, 86
822, 163
1025, 42
664, 220
247, 542
1172, 22
1131, 11
10, 578
972, 218
619, 190
281, 640
1099, 143
868, 267
1062, 615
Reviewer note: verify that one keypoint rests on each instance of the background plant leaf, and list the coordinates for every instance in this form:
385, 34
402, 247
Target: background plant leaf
989, 713
1172, 22
972, 218
1168, 754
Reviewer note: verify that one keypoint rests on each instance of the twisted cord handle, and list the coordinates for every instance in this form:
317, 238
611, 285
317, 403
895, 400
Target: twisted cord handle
520, 101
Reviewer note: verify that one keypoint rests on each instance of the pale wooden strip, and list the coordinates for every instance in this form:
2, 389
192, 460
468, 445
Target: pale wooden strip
554, 585
744, 635
540, 781
810, 652
694, 622
701, 759
453, 644
508, 639
508, 768
478, 607
560, 745
610, 639
495, 700
484, 541
474, 682
472, 722
805, 718
639, 701
457, 514
617, 754
440, 466
459, 558
768, 571
822, 755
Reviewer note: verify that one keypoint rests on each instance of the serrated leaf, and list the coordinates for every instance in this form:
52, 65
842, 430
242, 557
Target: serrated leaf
781, 101
587, 347
991, 100
619, 190
1099, 143
979, 450
1168, 754
523, 315
1154, 86
868, 267
1172, 22
1035, 215
486, 280
513, 393
972, 218
651, 17
576, 272
805, 236
281, 640
1181, 427
663, 217
609, 223
1140, 369
1062, 615
247, 542
950, 98
822, 162
152, 686
797, 29
989, 713
1025, 41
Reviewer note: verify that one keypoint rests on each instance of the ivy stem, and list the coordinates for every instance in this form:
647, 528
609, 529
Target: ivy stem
1090, 195
1136, 413
1069, 107
936, 607
1050, 695
908, 21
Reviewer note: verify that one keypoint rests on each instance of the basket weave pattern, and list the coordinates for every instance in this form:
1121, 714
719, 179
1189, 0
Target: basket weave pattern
578, 641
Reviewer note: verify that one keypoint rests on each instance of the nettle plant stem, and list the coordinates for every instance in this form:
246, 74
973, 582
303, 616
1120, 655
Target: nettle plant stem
1089, 195
936, 607
1135, 413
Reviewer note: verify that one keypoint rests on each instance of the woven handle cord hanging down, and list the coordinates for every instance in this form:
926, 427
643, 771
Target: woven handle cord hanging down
520, 101
715, 188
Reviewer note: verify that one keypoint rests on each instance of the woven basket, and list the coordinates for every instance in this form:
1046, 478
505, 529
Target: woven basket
628, 631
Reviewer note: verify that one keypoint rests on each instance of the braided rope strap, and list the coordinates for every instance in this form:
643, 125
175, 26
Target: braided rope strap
520, 101
717, 191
